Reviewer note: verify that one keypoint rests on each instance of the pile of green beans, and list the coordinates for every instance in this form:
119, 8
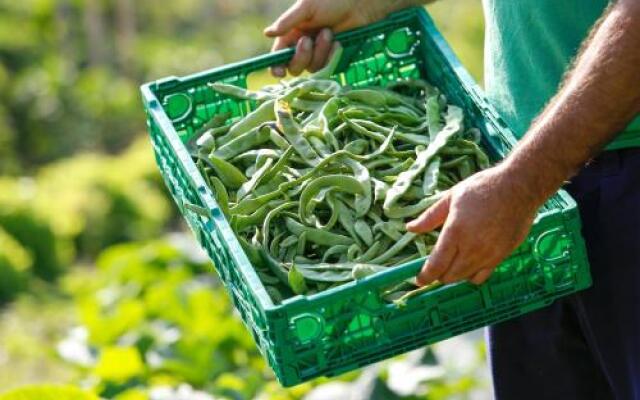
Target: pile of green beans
319, 180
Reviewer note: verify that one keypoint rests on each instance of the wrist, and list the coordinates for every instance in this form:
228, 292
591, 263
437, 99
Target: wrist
534, 180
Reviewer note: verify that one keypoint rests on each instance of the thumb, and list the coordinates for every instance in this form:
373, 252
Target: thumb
295, 15
432, 217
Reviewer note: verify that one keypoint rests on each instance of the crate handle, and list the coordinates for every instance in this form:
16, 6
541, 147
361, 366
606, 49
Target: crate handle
179, 106
558, 235
308, 326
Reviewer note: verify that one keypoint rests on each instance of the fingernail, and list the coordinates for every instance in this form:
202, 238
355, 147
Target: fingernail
327, 34
422, 282
306, 44
278, 71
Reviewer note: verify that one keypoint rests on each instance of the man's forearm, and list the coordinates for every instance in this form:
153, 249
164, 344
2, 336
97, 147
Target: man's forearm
598, 98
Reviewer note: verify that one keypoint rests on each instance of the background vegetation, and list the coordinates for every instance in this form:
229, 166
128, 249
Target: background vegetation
99, 290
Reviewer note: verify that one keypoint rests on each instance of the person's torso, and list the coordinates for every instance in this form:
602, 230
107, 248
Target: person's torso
529, 45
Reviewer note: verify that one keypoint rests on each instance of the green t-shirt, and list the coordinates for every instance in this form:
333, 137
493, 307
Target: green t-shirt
529, 45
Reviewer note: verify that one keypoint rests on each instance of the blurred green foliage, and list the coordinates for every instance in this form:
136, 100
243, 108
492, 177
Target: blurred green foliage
75, 207
30, 231
461, 23
151, 318
15, 263
48, 392
70, 70
150, 302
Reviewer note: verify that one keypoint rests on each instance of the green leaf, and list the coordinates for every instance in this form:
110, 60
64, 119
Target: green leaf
48, 392
132, 394
296, 281
119, 364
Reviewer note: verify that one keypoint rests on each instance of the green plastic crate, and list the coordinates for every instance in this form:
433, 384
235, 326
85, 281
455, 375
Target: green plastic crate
350, 326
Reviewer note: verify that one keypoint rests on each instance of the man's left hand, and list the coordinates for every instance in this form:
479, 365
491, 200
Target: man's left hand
484, 219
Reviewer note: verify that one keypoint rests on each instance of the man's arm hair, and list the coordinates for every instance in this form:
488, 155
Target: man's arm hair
600, 95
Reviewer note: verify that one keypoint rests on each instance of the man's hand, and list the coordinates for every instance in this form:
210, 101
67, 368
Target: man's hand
310, 24
485, 218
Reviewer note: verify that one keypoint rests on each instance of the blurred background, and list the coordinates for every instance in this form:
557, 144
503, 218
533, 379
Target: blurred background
101, 286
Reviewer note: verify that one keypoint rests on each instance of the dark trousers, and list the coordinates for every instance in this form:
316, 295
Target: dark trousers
585, 346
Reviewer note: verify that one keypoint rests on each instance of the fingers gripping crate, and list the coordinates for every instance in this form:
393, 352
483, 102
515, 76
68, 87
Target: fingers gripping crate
351, 326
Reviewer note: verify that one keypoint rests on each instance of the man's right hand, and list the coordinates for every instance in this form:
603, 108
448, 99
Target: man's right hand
310, 24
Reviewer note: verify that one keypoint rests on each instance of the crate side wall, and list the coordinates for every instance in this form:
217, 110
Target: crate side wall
210, 239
